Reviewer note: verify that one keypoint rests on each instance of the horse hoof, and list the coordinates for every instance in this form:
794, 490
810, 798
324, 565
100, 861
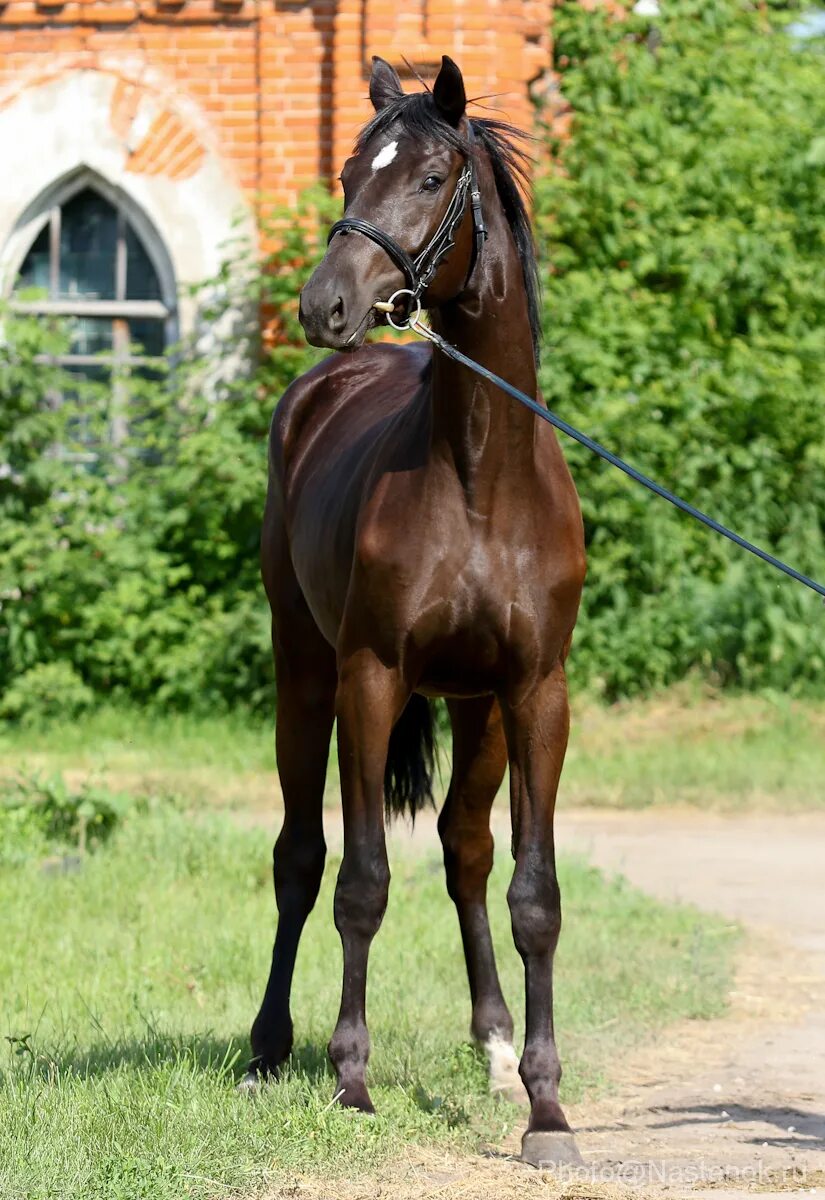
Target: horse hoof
250, 1085
356, 1099
545, 1149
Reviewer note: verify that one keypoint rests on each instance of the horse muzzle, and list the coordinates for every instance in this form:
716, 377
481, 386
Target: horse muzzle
332, 317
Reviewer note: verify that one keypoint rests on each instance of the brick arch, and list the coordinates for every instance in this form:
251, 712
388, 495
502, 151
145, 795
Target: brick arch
159, 140
143, 148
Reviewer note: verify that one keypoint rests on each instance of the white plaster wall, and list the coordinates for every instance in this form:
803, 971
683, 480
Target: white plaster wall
60, 131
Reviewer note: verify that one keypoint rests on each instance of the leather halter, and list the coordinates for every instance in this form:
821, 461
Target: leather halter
419, 271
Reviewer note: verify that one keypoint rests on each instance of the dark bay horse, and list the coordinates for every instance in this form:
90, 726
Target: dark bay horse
422, 538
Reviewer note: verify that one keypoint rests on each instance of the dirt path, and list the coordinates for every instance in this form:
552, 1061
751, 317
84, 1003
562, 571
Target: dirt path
725, 1108
738, 1104
740, 1100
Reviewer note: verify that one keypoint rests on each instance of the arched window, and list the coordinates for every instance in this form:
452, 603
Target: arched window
88, 265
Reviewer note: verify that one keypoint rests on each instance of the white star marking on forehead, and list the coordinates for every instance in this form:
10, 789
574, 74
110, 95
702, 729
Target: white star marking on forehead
385, 156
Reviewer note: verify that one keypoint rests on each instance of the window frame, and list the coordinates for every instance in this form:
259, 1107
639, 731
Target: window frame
44, 210
119, 310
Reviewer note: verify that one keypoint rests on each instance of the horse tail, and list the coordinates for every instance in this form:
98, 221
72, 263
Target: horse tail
408, 778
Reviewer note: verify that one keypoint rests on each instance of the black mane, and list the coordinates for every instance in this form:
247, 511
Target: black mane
418, 116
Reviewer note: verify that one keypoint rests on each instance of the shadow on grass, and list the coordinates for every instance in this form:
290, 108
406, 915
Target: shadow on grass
221, 1061
222, 1057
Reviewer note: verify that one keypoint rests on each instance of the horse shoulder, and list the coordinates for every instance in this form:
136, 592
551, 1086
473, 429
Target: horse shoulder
349, 392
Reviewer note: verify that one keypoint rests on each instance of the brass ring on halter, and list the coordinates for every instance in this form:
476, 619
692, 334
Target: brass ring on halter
408, 323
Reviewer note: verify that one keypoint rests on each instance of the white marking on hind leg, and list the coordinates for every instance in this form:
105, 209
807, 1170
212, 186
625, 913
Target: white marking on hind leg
504, 1077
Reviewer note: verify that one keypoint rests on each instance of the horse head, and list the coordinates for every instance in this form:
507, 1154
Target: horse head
410, 206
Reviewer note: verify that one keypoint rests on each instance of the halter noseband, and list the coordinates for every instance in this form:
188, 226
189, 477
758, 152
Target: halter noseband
418, 272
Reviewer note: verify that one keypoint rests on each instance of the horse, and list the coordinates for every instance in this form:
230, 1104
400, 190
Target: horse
422, 538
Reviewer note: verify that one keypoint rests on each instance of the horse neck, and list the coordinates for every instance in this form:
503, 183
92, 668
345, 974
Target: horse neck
487, 435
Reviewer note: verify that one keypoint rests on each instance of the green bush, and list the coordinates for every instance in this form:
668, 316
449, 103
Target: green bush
141, 568
684, 256
681, 228
44, 815
46, 691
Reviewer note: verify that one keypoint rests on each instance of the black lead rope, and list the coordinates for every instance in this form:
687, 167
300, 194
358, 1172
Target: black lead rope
419, 271
613, 459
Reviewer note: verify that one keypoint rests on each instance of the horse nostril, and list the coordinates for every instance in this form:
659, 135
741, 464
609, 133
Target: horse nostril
337, 315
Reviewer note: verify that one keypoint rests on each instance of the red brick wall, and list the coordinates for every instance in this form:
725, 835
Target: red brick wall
277, 88
500, 45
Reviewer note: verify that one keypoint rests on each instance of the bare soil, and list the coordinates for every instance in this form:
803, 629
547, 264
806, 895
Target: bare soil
739, 1101
727, 1108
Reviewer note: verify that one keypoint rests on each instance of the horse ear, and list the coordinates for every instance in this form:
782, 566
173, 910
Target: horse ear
448, 92
385, 86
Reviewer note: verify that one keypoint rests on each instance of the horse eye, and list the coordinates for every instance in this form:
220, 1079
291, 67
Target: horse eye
431, 184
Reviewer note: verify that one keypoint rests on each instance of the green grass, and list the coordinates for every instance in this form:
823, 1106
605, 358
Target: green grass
128, 988
225, 761
728, 753
682, 748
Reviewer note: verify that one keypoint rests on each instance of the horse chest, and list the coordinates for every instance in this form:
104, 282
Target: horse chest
459, 623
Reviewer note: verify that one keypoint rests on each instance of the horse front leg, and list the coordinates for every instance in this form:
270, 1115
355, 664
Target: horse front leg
368, 701
307, 676
306, 697
537, 725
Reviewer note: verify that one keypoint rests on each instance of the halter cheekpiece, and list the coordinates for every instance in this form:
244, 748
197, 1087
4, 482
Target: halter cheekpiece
418, 271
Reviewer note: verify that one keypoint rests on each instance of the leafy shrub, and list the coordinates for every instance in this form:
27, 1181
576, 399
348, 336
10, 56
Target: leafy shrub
40, 815
681, 232
142, 572
681, 226
44, 692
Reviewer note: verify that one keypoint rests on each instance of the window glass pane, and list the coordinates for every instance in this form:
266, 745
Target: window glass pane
99, 373
142, 282
90, 335
84, 429
147, 334
35, 270
107, 358
88, 248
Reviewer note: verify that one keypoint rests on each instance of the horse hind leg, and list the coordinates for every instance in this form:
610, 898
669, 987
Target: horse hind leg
479, 763
306, 677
